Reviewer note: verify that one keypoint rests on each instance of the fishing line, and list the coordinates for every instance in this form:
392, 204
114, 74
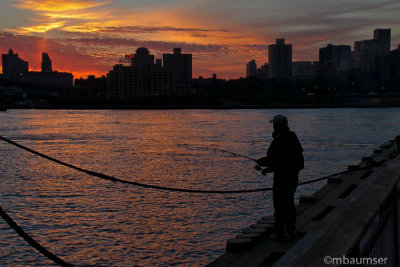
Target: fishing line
228, 152
111, 178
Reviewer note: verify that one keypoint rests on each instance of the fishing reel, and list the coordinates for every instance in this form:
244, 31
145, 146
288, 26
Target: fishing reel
258, 167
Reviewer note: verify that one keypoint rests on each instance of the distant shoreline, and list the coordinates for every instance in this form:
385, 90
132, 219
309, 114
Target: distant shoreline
216, 107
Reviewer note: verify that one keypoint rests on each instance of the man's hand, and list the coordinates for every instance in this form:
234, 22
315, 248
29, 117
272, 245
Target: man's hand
261, 161
266, 170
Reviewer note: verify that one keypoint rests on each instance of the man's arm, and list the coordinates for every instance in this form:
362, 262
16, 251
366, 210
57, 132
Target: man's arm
267, 160
262, 161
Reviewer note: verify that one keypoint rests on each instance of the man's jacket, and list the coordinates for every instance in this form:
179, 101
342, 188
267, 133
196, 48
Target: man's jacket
285, 153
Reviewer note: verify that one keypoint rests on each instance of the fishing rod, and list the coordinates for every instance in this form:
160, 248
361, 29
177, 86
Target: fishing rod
221, 150
257, 167
229, 152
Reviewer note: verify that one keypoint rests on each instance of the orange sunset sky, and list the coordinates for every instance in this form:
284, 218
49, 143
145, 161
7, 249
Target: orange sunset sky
90, 36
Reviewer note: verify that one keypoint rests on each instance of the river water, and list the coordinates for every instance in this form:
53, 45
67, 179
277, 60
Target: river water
92, 222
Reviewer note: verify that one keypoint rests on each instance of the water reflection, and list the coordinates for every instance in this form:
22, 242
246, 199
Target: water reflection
88, 221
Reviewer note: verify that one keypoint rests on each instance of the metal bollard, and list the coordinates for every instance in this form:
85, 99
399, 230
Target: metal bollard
397, 139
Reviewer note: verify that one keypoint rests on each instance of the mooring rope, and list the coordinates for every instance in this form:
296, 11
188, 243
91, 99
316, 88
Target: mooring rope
31, 241
111, 178
61, 262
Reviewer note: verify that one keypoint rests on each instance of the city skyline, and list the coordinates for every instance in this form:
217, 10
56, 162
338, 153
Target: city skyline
89, 37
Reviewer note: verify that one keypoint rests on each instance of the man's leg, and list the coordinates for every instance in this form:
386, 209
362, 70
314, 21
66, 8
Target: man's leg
279, 208
291, 208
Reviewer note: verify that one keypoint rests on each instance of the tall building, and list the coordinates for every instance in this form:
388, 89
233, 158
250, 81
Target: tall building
180, 64
302, 70
251, 68
394, 63
338, 56
264, 71
366, 51
46, 63
13, 66
280, 60
333, 58
142, 78
47, 78
382, 37
142, 58
388, 67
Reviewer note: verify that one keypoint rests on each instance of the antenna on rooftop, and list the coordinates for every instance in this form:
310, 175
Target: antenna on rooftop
126, 60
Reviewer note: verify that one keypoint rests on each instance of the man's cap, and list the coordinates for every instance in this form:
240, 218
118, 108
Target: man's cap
279, 119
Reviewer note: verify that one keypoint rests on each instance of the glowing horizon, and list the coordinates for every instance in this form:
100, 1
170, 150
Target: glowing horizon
90, 36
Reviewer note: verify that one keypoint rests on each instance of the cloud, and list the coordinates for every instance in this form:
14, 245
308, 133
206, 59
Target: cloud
162, 46
54, 14
101, 28
65, 57
83, 56
222, 35
41, 28
77, 15
58, 5
142, 29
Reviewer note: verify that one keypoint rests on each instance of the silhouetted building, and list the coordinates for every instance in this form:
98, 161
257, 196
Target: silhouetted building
208, 86
251, 68
180, 64
333, 58
366, 51
13, 66
302, 70
315, 65
129, 82
365, 54
46, 63
142, 58
280, 60
388, 67
142, 78
91, 82
383, 38
263, 72
338, 55
394, 63
159, 63
48, 80
92, 87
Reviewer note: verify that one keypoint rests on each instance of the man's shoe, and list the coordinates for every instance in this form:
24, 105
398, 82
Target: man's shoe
291, 236
278, 238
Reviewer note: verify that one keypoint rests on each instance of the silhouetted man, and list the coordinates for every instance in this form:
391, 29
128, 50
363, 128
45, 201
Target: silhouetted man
285, 159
